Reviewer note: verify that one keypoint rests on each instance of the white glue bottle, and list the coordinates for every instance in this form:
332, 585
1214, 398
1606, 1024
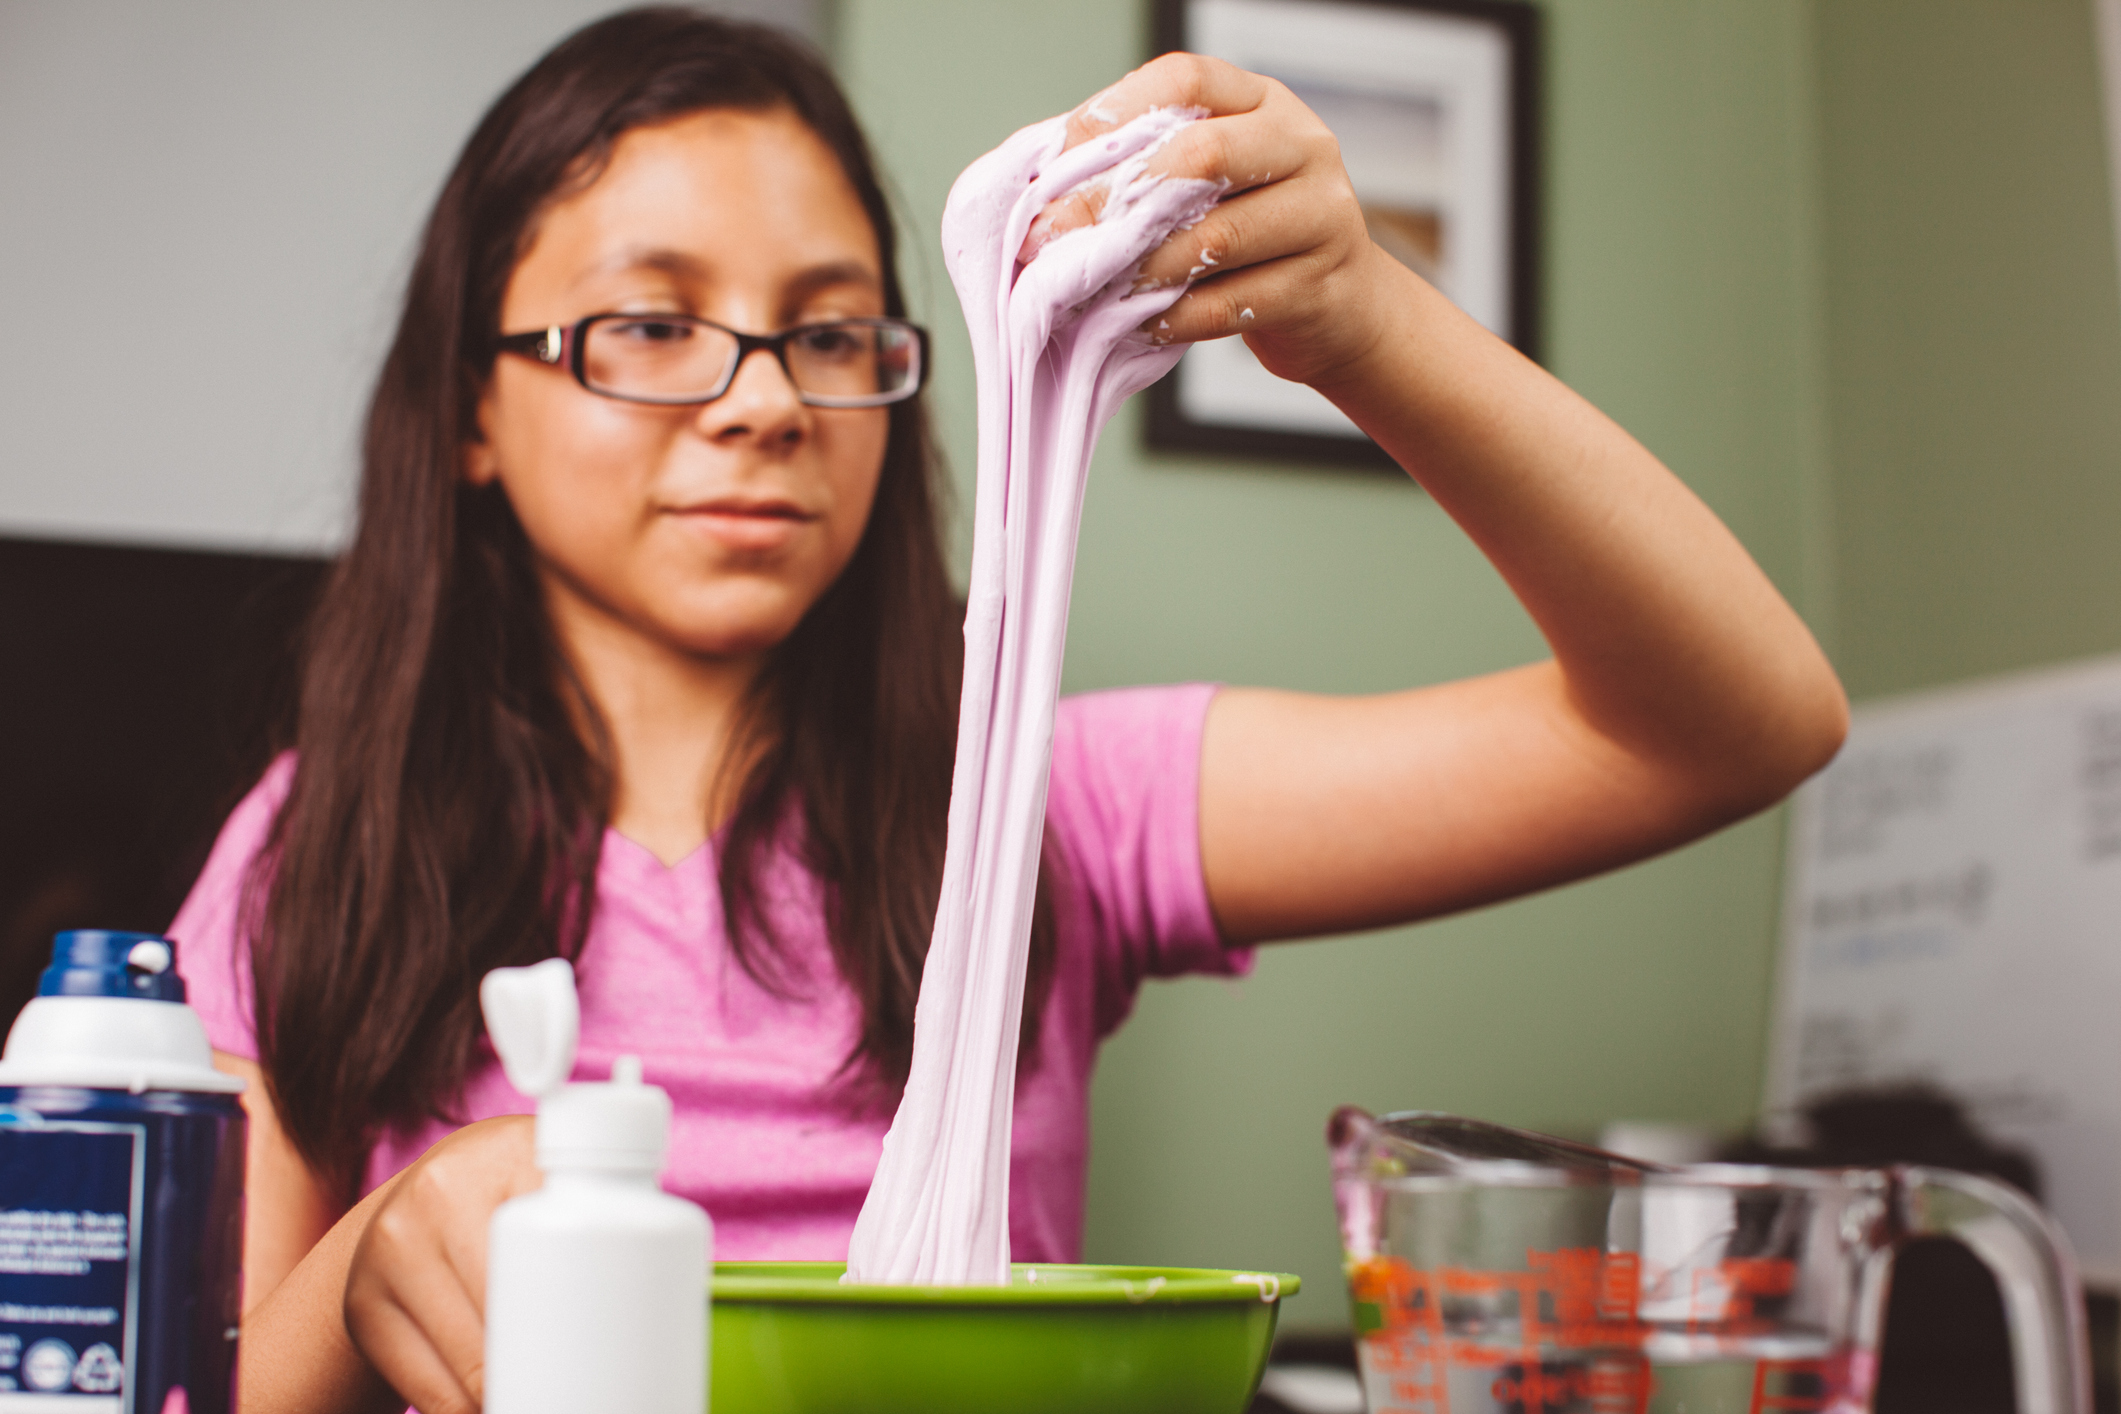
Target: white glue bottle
596, 1284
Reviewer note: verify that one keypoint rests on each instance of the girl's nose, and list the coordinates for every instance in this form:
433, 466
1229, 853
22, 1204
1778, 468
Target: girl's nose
761, 405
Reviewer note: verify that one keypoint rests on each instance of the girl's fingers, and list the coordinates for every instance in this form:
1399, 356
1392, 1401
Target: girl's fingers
1270, 223
420, 1374
415, 1292
1071, 212
1257, 302
1220, 307
1276, 142
1284, 257
409, 1307
1169, 81
1239, 145
448, 1316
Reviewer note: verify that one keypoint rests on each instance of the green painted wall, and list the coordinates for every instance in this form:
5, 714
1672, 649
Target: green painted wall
1684, 297
1974, 337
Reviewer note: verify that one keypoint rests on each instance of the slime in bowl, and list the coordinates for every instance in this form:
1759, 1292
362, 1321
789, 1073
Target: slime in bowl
788, 1338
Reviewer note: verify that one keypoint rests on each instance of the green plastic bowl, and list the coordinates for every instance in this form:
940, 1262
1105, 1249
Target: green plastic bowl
788, 1338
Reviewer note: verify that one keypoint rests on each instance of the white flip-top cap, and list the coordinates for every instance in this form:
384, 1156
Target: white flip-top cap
534, 1019
620, 1126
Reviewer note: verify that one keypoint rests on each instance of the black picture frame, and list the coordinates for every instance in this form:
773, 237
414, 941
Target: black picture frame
1177, 420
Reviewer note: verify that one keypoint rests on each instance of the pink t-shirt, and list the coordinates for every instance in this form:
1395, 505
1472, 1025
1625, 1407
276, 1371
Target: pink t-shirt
757, 1139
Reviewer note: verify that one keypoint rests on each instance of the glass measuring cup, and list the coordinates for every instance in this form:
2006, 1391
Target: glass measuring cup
1495, 1271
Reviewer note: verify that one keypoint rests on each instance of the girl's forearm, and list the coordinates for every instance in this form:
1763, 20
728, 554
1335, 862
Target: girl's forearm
1670, 639
296, 1355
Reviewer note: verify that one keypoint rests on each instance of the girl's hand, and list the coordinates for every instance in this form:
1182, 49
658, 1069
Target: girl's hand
416, 1290
1285, 259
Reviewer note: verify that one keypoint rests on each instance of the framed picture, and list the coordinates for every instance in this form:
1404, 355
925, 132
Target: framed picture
1436, 106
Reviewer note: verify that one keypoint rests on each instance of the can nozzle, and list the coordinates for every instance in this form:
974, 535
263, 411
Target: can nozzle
150, 955
102, 962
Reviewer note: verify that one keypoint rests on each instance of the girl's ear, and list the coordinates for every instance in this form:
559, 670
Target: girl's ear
476, 461
477, 464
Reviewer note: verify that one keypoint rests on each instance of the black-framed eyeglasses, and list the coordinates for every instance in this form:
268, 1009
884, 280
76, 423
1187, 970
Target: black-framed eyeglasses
674, 359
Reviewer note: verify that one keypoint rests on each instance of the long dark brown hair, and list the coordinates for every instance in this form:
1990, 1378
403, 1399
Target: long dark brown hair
452, 775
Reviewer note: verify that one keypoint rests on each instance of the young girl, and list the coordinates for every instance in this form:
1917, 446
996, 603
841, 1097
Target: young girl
649, 660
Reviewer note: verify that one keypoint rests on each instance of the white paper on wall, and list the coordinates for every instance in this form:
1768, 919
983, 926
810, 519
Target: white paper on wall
1953, 917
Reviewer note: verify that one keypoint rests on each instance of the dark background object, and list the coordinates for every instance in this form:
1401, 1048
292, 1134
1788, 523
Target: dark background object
1169, 429
145, 691
1306, 1348
1946, 1349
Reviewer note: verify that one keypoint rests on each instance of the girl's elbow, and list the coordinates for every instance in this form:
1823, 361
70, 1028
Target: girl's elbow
1819, 721
1804, 736
1829, 726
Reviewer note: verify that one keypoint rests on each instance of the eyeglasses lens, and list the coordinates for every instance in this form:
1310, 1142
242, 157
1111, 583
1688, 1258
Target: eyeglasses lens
850, 363
665, 360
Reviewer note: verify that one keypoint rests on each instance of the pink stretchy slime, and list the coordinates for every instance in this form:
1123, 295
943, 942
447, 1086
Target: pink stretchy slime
1055, 352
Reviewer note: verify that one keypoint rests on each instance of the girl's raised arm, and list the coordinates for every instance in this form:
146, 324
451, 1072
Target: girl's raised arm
1683, 693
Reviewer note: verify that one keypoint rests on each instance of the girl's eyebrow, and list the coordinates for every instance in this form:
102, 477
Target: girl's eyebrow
684, 266
662, 259
799, 298
838, 272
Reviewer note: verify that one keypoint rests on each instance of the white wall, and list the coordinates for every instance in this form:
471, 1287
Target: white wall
206, 213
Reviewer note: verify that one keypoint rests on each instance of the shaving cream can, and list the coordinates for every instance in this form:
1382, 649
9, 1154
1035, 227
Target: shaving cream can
121, 1192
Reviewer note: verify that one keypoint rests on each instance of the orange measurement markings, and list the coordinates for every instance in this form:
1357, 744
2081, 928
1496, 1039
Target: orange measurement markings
1722, 1297
1571, 1298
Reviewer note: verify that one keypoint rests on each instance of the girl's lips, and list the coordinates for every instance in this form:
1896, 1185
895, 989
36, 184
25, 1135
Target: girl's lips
746, 525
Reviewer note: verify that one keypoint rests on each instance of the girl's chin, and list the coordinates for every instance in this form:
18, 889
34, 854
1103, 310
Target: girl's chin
738, 626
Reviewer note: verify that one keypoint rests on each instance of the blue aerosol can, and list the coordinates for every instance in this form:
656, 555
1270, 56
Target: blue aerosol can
121, 1191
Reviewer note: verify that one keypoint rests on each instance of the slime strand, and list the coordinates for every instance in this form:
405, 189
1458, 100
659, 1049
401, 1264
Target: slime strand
1055, 353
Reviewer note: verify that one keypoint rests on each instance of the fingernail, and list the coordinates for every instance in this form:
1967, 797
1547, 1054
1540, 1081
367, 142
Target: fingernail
1041, 230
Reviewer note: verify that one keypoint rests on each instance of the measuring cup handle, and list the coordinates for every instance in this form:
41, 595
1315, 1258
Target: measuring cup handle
2042, 1301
